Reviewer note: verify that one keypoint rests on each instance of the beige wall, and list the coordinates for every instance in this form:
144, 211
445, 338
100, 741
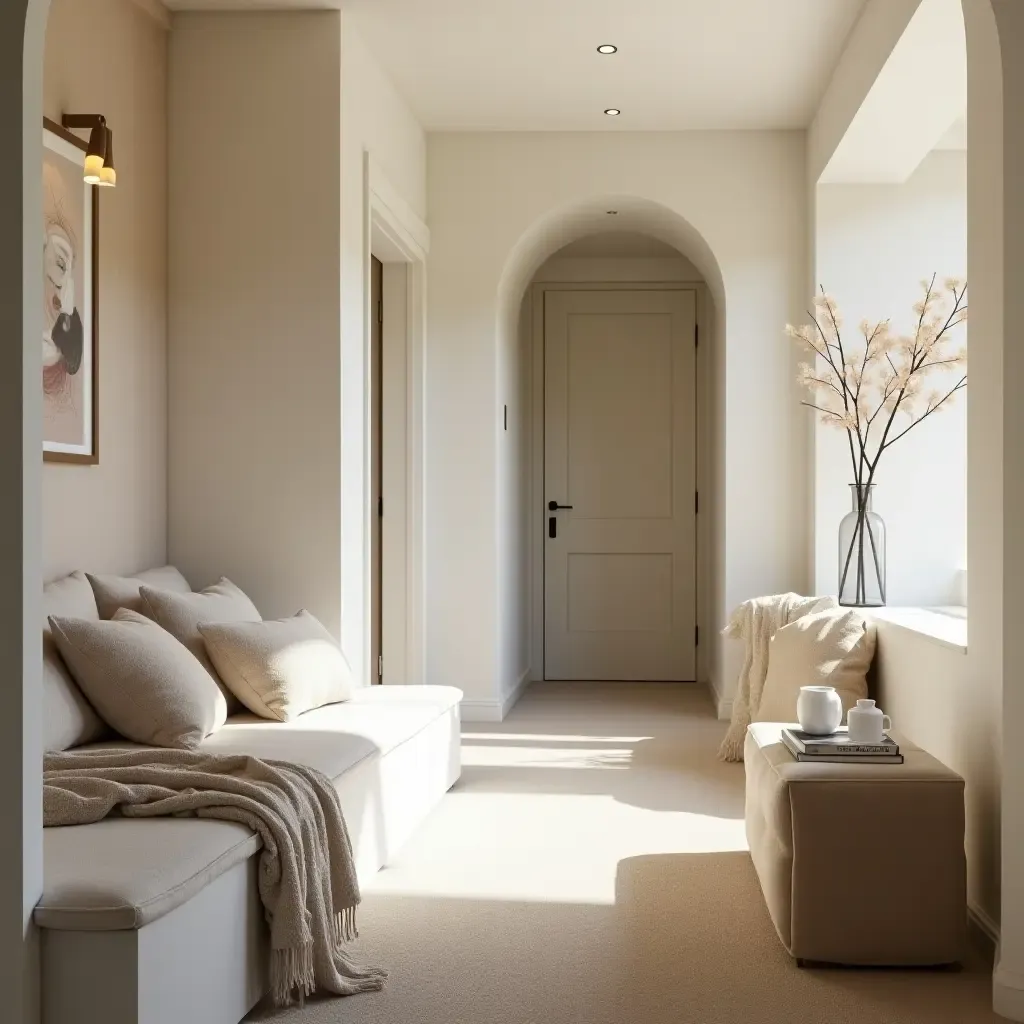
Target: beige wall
110, 57
255, 306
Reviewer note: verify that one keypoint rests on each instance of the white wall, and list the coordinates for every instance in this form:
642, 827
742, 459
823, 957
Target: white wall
376, 121
491, 195
874, 244
270, 305
514, 504
112, 517
930, 691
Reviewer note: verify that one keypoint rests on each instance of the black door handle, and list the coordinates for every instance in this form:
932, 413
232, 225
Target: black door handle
553, 506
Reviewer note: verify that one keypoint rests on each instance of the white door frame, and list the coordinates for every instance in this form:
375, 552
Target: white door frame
400, 240
538, 514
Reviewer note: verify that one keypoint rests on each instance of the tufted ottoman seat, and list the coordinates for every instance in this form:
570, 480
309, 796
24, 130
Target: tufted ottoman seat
859, 864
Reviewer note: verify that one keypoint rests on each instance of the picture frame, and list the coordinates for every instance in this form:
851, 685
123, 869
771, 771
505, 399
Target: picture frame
70, 267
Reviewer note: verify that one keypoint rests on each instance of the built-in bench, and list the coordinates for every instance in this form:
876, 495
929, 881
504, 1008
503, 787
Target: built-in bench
158, 921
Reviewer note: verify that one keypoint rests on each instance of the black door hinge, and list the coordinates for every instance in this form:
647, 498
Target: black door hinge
696, 502
696, 636
380, 508
380, 311
696, 335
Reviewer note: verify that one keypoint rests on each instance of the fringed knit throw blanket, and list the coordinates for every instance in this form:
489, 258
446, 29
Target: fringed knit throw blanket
307, 879
755, 622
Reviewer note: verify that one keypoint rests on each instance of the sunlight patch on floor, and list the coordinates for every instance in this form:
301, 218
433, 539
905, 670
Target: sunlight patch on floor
537, 756
532, 737
567, 848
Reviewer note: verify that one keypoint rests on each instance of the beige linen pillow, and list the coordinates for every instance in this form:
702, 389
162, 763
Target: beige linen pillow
830, 648
68, 718
279, 669
181, 614
140, 679
113, 592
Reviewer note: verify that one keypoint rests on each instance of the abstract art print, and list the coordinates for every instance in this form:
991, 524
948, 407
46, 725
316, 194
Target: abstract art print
70, 309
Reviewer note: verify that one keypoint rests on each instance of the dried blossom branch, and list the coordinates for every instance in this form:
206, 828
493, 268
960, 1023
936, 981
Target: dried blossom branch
884, 380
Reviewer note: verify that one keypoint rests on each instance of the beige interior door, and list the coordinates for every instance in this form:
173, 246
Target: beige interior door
376, 466
620, 451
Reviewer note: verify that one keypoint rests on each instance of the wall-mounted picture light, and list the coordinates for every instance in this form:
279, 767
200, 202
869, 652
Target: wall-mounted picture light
99, 158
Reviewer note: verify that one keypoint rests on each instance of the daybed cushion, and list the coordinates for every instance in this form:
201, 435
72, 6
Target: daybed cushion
113, 592
279, 669
333, 738
122, 874
68, 718
181, 614
143, 682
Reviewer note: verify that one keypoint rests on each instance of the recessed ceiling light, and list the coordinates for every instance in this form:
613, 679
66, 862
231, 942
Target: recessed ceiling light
607, 48
613, 111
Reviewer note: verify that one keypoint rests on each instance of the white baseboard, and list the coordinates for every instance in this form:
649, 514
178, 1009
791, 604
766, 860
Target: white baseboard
723, 705
495, 710
1008, 993
983, 924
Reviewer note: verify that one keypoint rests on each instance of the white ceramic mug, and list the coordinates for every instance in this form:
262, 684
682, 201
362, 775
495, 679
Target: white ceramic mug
819, 710
866, 723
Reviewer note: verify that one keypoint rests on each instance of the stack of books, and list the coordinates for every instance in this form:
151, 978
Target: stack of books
839, 749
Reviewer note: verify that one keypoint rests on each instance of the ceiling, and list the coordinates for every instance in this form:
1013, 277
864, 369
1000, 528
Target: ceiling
532, 64
956, 135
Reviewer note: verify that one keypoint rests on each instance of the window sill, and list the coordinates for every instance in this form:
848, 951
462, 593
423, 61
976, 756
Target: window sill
946, 626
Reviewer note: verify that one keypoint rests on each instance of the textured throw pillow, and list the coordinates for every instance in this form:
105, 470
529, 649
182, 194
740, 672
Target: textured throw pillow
830, 648
181, 614
68, 718
142, 681
113, 592
282, 668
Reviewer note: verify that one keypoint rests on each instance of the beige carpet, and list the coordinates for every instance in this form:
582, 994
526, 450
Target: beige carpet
590, 868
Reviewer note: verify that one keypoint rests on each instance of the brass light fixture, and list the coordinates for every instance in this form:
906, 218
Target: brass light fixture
99, 158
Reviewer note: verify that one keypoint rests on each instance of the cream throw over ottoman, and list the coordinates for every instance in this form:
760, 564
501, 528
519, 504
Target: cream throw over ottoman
859, 864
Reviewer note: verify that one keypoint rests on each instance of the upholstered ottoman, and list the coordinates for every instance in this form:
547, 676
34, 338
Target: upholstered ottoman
859, 864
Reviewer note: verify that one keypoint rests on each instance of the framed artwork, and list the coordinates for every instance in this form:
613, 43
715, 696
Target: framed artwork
70, 301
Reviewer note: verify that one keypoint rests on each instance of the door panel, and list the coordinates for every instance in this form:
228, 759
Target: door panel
620, 448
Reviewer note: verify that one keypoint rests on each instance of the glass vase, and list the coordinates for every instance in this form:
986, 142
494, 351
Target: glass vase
862, 552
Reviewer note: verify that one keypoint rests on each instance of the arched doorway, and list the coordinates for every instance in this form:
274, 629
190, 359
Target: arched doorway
545, 275
522, 520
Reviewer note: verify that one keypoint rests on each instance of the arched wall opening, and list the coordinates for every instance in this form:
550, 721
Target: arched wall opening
520, 376
22, 42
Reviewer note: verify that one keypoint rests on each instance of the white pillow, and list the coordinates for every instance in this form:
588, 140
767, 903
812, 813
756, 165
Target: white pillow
829, 648
282, 668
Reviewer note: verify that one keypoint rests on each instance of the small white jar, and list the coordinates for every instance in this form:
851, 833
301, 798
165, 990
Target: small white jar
866, 723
